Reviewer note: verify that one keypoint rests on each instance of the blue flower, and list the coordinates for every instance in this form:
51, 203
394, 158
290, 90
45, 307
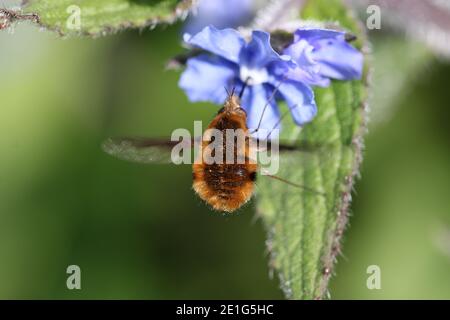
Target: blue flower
231, 61
219, 14
322, 54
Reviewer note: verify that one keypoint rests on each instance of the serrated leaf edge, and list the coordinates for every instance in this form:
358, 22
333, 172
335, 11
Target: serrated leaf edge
179, 13
335, 237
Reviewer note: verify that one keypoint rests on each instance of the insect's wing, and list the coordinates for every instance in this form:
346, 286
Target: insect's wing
283, 146
144, 150
154, 150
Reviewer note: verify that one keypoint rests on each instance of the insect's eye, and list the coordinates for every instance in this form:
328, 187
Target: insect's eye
221, 110
243, 111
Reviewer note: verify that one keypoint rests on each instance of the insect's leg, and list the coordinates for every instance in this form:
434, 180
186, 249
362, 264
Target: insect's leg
272, 96
279, 121
295, 184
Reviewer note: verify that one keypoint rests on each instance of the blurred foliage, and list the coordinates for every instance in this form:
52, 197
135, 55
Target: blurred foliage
401, 210
393, 73
139, 231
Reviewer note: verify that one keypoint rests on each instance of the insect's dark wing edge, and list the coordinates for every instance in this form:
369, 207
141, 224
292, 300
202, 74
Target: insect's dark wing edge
291, 146
142, 150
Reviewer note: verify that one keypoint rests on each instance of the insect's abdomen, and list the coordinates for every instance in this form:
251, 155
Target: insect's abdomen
225, 187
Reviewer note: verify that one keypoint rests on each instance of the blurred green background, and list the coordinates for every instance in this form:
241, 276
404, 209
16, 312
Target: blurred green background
140, 232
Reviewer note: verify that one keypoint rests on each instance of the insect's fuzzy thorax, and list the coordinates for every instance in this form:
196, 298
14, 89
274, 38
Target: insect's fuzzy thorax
232, 116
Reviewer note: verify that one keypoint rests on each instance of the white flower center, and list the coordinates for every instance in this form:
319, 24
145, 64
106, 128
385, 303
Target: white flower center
253, 76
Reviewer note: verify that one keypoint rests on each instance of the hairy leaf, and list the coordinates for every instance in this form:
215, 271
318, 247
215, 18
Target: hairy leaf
99, 17
305, 227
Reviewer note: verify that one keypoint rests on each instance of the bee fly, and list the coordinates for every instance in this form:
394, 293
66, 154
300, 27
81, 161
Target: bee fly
225, 186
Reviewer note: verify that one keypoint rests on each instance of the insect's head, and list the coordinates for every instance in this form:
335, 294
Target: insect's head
233, 103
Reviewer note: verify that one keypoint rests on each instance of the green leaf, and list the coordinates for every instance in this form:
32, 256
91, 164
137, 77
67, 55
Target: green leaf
305, 227
99, 17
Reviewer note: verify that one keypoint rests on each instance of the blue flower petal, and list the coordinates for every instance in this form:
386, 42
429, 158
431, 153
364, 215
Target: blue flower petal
217, 13
313, 78
337, 58
206, 77
307, 69
313, 34
258, 53
301, 52
226, 43
254, 100
300, 99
